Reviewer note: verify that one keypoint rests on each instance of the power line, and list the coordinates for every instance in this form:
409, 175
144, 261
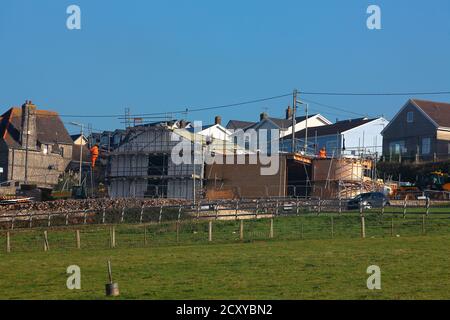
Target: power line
334, 107
375, 94
164, 115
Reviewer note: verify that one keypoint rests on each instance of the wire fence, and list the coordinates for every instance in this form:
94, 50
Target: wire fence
226, 222
194, 232
223, 210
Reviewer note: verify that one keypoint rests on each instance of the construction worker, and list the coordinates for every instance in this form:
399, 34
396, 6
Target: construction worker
94, 154
323, 153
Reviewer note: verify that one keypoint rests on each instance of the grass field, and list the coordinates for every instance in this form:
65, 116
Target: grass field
413, 266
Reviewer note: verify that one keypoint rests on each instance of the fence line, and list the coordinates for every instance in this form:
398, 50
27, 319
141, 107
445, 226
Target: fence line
223, 231
238, 209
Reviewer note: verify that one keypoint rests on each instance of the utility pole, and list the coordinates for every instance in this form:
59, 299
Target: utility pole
306, 128
81, 148
294, 111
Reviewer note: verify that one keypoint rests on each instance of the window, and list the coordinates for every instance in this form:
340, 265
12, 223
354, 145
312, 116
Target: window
410, 117
397, 147
426, 145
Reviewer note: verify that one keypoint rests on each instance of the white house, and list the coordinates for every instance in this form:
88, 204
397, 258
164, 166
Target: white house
283, 125
348, 137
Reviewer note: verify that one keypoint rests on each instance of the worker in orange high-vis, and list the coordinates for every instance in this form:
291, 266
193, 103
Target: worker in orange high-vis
323, 153
94, 154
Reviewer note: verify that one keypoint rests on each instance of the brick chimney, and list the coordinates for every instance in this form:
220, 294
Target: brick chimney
263, 116
289, 113
28, 133
218, 120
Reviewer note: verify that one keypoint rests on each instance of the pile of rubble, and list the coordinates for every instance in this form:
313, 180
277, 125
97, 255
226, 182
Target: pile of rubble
88, 204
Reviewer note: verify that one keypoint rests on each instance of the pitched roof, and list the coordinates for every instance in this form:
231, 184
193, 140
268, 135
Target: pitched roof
439, 112
238, 124
335, 128
50, 128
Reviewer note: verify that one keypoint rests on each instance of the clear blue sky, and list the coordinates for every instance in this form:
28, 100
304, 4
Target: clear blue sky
157, 56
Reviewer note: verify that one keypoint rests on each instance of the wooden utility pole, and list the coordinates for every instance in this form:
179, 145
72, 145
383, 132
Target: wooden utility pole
294, 111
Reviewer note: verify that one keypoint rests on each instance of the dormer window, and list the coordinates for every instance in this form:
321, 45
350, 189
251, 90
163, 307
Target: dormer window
410, 117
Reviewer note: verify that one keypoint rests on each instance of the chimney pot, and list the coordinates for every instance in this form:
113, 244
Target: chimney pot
218, 120
263, 116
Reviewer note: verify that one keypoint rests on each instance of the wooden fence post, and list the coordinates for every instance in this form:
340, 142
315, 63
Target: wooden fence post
301, 234
85, 217
78, 239
122, 215
423, 224
210, 231
237, 209
392, 226
31, 221
142, 214
177, 226
67, 219
332, 227
160, 214
428, 206
256, 209
179, 212
319, 208
271, 229
112, 232
340, 206
296, 207
103, 215
8, 242
49, 220
404, 209
145, 235
46, 245
382, 208
363, 227
241, 230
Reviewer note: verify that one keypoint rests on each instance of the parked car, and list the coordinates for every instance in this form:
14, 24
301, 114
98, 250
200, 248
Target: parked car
368, 201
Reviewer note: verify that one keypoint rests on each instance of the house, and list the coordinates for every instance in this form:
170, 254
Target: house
78, 139
213, 131
420, 130
348, 137
284, 126
35, 147
108, 140
143, 165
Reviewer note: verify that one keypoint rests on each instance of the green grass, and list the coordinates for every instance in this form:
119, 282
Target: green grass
412, 268
293, 265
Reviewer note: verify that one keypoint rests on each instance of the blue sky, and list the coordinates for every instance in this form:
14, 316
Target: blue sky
158, 56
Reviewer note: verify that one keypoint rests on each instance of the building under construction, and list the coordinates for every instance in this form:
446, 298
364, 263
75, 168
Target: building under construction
143, 165
298, 176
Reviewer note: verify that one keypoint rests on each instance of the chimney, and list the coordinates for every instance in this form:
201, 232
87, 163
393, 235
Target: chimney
28, 133
289, 113
218, 120
263, 116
